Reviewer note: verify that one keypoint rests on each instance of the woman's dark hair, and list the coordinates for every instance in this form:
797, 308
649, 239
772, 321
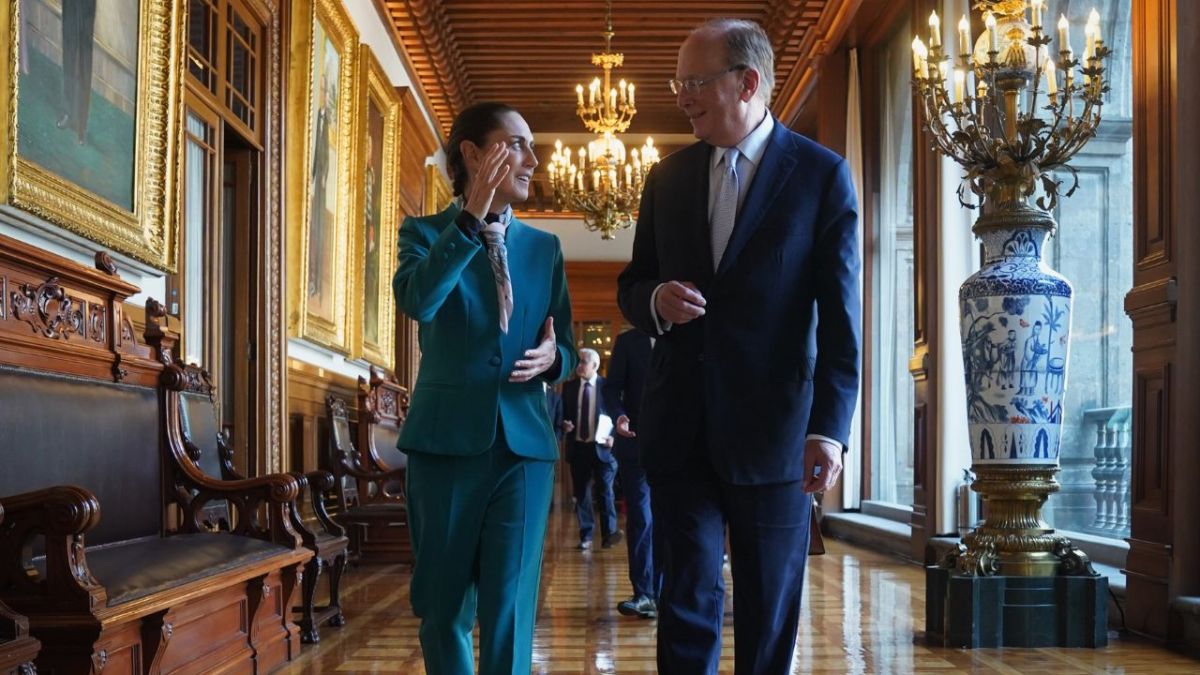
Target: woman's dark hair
473, 124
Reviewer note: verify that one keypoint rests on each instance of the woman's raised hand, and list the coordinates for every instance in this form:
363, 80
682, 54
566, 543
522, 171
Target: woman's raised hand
482, 186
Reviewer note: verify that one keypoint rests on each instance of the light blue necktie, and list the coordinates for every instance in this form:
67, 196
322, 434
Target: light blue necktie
725, 208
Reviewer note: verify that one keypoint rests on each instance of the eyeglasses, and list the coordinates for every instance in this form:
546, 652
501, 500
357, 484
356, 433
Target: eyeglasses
692, 84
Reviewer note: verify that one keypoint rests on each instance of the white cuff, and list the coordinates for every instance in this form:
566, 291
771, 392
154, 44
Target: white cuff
659, 325
819, 437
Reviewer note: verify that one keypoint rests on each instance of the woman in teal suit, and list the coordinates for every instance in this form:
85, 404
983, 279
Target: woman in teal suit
490, 296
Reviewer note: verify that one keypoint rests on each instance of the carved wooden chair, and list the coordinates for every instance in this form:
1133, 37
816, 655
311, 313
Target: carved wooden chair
208, 446
382, 409
364, 518
17, 649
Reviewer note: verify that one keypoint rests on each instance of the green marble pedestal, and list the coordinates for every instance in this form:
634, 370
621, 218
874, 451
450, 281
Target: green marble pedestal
999, 611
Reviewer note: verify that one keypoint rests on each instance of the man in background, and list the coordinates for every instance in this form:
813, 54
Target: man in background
589, 450
623, 397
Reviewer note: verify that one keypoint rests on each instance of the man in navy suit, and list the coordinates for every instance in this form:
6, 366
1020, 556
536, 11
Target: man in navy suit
589, 450
623, 398
742, 240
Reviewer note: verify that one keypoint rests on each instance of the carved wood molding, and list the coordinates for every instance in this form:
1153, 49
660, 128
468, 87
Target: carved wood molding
799, 46
442, 70
48, 310
381, 398
58, 315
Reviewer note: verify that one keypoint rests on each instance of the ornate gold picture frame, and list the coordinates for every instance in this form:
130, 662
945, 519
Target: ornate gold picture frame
438, 192
377, 139
89, 98
324, 66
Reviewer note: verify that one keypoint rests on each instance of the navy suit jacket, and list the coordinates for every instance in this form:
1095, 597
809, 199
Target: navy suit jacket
570, 399
623, 386
748, 381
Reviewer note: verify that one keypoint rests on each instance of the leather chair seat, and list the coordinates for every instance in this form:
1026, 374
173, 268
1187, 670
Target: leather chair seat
379, 511
144, 567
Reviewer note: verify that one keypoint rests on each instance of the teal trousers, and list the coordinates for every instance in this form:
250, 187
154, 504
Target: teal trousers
477, 526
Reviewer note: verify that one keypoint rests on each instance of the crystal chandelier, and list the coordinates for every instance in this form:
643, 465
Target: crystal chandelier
601, 181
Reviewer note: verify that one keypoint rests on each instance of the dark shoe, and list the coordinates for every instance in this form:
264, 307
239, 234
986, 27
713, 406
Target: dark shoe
585, 545
640, 606
612, 538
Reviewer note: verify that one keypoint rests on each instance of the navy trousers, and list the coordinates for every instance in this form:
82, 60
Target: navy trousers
768, 537
588, 470
641, 537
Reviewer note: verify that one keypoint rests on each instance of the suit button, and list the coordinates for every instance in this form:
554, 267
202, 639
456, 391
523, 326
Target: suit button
701, 357
495, 360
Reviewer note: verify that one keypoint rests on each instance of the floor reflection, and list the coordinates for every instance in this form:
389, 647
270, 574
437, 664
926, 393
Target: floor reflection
862, 613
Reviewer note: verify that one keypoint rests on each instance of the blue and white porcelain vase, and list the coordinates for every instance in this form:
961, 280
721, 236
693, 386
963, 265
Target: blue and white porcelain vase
1015, 321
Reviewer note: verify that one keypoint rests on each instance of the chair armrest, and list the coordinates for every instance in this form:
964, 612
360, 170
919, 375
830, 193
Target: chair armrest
276, 493
319, 483
62, 515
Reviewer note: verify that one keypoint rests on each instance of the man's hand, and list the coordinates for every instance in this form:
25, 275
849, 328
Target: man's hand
538, 360
822, 465
608, 442
568, 426
679, 302
623, 427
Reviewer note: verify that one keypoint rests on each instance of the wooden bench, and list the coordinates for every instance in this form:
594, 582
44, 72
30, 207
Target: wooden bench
104, 546
374, 526
207, 445
17, 649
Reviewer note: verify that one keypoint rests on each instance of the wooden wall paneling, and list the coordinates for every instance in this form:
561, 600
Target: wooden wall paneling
922, 366
1164, 555
1151, 306
1185, 380
308, 385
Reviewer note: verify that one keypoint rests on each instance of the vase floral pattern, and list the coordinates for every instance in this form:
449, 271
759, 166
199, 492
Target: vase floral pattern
1015, 317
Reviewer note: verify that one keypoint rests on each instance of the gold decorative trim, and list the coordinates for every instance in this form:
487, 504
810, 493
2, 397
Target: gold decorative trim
438, 192
340, 30
375, 88
149, 232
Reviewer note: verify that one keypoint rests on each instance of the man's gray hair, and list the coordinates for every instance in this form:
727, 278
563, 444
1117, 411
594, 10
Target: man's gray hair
590, 355
746, 43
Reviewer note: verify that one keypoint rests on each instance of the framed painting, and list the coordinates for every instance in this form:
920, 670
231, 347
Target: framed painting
437, 190
324, 53
89, 95
377, 139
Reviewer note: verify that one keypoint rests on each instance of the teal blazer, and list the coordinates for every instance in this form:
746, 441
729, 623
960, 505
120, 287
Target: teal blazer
445, 283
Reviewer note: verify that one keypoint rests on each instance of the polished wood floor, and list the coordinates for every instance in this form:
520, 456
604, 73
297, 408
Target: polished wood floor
863, 613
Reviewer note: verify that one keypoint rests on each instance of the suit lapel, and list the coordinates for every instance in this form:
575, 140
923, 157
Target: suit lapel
769, 179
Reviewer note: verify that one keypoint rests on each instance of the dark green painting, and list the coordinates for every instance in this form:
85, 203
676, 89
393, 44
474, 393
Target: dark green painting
78, 92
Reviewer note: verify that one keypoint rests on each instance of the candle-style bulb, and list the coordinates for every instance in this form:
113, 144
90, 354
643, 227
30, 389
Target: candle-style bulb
964, 36
935, 30
1064, 33
989, 20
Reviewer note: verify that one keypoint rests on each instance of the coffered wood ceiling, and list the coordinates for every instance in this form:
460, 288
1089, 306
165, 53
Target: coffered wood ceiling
532, 53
